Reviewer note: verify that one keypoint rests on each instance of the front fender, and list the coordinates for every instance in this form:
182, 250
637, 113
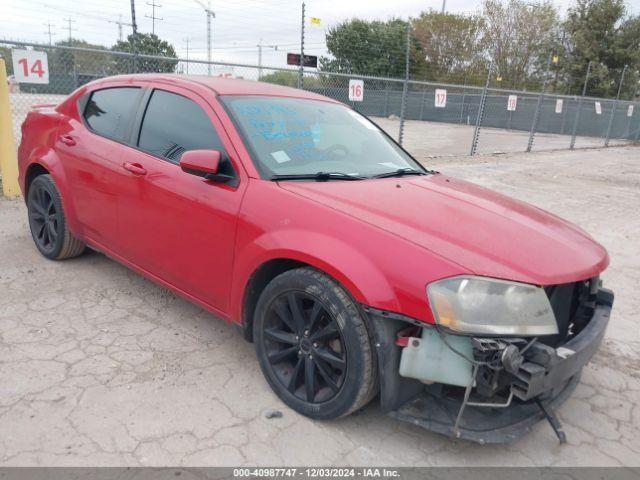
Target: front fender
344, 262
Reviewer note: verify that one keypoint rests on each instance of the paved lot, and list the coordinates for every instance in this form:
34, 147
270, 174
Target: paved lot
433, 139
99, 366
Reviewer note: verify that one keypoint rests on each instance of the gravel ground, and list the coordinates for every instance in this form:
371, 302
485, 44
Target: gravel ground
99, 366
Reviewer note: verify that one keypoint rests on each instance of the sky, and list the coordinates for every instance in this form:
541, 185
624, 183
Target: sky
239, 25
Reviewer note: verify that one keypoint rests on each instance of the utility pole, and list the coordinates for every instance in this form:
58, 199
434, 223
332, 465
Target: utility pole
260, 47
49, 32
134, 38
153, 17
301, 71
120, 23
444, 6
210, 14
69, 27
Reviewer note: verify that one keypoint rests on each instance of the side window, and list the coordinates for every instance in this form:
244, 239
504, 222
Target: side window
109, 111
173, 124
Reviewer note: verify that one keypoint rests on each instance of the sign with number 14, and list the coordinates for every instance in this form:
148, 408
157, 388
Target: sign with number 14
30, 66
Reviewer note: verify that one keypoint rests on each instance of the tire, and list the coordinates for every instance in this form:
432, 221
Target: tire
305, 327
47, 222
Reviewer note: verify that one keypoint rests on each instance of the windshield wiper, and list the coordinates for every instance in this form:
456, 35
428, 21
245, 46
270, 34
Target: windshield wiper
400, 173
320, 176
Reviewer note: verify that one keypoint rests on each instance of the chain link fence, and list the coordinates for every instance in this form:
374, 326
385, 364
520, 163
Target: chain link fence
438, 120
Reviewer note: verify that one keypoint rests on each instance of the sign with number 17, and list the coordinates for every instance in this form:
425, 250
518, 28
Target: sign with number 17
440, 98
30, 66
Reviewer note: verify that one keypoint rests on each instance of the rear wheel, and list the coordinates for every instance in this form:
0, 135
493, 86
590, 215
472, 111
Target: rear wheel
313, 345
47, 222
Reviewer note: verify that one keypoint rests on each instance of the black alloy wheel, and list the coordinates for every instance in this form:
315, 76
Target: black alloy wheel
305, 347
47, 221
44, 218
313, 344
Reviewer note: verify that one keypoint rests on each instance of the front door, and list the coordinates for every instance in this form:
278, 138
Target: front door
175, 225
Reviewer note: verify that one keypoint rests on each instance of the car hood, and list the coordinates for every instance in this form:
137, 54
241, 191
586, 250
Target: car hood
483, 231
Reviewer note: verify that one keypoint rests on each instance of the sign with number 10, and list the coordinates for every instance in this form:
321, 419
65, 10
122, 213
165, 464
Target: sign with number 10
30, 66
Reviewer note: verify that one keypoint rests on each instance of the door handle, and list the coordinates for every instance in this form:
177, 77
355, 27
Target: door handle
68, 140
134, 168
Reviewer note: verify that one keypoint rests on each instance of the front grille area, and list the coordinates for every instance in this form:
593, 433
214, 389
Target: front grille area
573, 305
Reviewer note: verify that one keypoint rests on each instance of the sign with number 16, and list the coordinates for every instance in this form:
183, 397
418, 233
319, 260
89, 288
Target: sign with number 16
356, 90
30, 66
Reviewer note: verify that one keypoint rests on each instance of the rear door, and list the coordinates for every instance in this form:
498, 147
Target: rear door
175, 225
90, 150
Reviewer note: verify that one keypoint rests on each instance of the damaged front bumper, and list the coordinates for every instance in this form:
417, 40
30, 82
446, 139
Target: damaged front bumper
544, 379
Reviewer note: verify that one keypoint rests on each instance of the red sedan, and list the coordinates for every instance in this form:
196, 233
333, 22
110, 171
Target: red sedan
354, 270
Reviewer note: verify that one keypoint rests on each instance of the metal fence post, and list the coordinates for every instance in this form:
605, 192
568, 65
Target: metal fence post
405, 88
628, 134
536, 115
615, 107
386, 99
424, 94
134, 38
483, 99
572, 144
464, 92
301, 71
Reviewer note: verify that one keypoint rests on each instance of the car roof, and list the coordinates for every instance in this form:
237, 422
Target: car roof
219, 85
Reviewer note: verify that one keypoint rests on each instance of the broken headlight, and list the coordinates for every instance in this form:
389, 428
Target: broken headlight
480, 305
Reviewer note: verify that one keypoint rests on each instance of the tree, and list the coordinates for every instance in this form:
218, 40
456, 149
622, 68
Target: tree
599, 31
63, 61
290, 79
372, 48
145, 44
5, 54
279, 77
452, 44
518, 35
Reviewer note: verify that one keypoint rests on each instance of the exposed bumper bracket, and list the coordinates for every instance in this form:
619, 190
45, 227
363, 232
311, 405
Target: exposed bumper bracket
537, 395
553, 421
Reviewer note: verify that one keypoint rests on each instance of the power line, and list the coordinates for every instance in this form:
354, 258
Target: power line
153, 17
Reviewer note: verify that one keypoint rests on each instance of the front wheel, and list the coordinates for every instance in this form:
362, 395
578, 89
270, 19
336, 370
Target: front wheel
313, 345
47, 222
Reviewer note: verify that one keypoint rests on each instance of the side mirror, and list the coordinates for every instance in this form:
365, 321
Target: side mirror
204, 163
200, 162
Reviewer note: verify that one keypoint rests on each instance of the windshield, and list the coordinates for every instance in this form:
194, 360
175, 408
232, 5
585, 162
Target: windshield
289, 136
